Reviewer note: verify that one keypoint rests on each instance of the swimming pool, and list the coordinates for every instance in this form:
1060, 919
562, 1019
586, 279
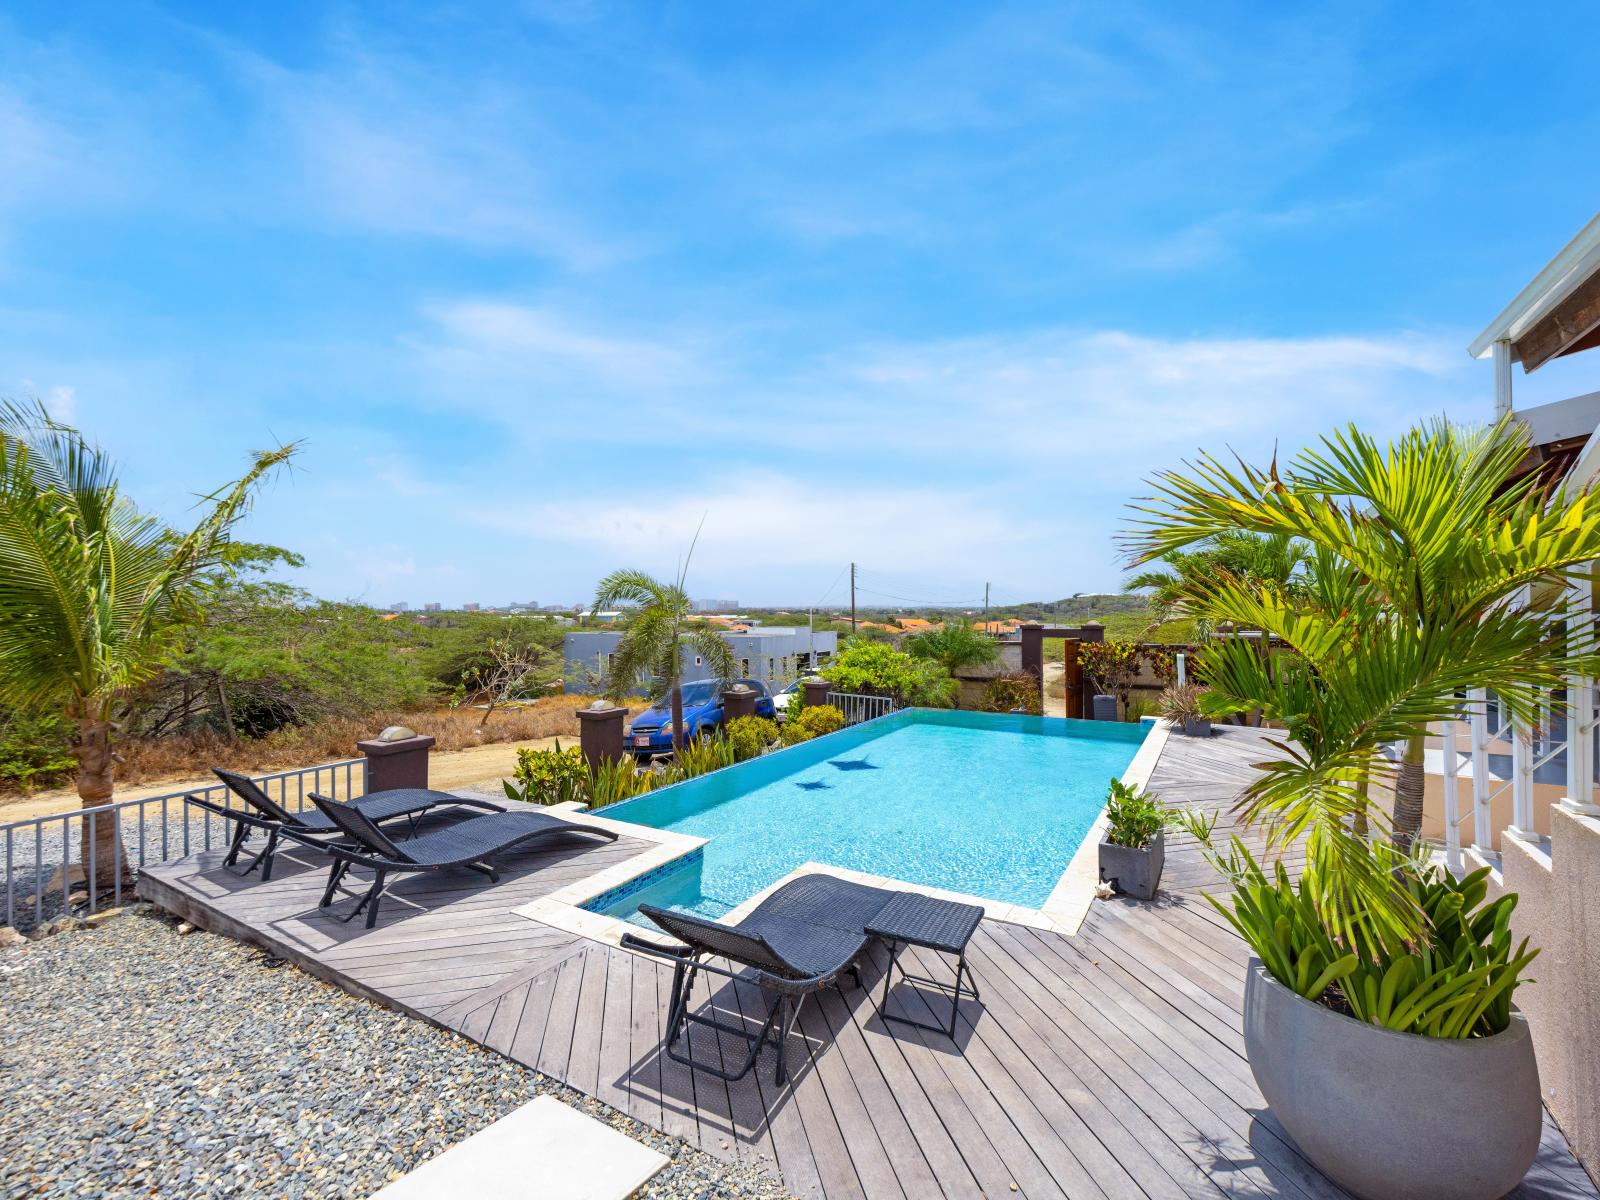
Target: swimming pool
993, 805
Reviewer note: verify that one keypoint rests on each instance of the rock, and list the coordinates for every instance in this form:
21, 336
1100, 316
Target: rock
95, 920
65, 923
10, 939
185, 927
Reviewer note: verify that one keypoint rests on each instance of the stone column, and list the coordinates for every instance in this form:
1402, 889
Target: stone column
816, 692
396, 758
738, 701
600, 733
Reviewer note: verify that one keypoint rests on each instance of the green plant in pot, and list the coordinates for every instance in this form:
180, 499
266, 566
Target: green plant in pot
1180, 704
1379, 1016
1134, 849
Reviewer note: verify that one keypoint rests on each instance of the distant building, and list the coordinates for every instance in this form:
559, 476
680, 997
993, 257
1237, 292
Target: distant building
710, 606
776, 655
399, 606
434, 607
607, 617
469, 608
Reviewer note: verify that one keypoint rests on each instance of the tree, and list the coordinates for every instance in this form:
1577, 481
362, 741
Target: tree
1277, 558
652, 645
1438, 570
877, 668
954, 646
94, 594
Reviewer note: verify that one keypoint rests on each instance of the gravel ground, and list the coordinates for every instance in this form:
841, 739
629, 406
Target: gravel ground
138, 1062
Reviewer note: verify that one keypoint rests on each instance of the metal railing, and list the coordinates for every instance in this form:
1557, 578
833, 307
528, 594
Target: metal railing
857, 708
47, 858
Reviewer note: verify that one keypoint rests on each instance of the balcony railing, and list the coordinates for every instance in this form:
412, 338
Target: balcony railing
45, 860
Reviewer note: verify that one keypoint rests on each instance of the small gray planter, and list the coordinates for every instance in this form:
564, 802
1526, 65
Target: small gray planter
1134, 871
1388, 1114
1197, 727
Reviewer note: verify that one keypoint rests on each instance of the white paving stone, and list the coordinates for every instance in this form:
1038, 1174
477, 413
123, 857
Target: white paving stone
545, 1150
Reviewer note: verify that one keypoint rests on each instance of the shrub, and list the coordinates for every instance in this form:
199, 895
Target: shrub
1455, 982
618, 780
35, 751
1181, 702
1134, 816
812, 722
878, 669
1016, 692
550, 776
702, 755
749, 736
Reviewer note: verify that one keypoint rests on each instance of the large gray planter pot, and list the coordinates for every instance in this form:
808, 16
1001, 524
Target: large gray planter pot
1134, 871
1197, 727
1389, 1115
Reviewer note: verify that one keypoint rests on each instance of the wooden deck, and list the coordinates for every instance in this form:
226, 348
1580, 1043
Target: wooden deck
1110, 1063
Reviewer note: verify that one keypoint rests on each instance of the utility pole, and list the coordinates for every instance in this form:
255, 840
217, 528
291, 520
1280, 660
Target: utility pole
986, 608
852, 598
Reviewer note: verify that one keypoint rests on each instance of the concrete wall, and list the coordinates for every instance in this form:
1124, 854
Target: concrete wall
774, 654
1558, 912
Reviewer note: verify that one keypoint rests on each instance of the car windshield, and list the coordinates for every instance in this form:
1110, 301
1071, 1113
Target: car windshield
693, 693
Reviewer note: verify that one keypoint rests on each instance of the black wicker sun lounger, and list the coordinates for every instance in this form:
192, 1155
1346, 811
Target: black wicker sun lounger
800, 939
472, 843
312, 826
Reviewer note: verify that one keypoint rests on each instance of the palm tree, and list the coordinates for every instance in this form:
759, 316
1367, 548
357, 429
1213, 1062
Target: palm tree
652, 646
1277, 558
955, 645
94, 594
1437, 569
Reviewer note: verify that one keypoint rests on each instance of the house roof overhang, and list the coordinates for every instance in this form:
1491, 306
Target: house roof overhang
1558, 312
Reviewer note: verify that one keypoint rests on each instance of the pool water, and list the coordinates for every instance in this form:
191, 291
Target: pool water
994, 805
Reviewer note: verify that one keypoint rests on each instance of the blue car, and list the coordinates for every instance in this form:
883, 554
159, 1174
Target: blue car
651, 731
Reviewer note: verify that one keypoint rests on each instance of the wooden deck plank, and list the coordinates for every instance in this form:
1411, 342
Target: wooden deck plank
1110, 1063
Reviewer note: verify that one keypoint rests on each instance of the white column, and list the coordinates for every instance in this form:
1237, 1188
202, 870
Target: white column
1522, 753
1502, 379
1580, 708
1182, 669
1482, 829
1452, 808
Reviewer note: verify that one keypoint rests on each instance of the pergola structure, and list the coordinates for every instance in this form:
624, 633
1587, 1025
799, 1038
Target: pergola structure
1556, 314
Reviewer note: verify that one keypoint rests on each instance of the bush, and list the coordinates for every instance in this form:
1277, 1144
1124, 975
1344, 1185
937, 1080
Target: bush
1181, 702
812, 722
1134, 816
35, 751
1016, 692
877, 669
702, 755
749, 736
550, 776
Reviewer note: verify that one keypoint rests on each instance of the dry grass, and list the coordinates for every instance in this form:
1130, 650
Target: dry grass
452, 729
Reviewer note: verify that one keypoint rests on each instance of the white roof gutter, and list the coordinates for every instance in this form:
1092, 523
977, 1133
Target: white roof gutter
1578, 260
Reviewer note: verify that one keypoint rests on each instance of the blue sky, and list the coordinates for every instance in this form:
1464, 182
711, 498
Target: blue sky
930, 287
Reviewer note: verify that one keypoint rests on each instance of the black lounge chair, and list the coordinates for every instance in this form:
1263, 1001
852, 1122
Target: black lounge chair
802, 938
471, 843
312, 827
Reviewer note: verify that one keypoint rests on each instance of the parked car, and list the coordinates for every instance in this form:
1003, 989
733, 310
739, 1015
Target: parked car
651, 731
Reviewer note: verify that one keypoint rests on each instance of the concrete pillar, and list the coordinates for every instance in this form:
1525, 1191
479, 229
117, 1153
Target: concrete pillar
600, 733
396, 758
816, 692
738, 701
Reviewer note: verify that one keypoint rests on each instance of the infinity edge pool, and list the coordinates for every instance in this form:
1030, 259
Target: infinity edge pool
669, 851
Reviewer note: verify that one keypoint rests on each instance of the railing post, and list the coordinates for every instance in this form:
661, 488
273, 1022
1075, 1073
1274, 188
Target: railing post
1580, 704
1482, 830
1452, 802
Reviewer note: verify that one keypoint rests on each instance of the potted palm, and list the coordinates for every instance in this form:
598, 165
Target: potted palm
1379, 1014
1180, 704
1354, 1034
1134, 848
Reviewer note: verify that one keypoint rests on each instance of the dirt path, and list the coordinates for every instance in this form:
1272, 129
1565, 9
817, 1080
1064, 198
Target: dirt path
477, 768
1056, 705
